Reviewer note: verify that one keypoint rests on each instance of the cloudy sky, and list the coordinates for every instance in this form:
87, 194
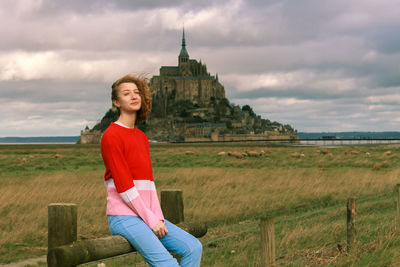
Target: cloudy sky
316, 65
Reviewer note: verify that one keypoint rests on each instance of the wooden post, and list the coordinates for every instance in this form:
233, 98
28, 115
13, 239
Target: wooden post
398, 205
351, 224
62, 224
84, 251
172, 205
88, 250
267, 242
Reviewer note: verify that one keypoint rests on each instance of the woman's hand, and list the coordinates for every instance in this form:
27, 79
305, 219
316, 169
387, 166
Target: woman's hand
160, 230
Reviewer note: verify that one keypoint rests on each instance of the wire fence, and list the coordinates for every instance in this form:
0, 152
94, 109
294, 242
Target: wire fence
282, 218
135, 259
326, 252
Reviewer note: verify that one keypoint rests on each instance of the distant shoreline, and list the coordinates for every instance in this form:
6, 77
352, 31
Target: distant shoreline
37, 143
349, 135
303, 135
40, 140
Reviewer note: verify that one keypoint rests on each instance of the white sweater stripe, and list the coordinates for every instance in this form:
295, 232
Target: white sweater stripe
144, 185
139, 184
109, 183
129, 194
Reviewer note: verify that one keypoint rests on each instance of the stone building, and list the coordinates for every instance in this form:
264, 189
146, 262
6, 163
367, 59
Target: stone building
187, 81
90, 136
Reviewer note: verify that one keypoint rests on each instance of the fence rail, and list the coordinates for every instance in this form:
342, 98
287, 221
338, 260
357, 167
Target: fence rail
65, 251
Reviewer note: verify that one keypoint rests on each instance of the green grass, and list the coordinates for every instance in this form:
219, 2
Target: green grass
307, 196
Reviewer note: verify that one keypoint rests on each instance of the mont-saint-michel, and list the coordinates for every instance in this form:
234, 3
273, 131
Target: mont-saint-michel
189, 105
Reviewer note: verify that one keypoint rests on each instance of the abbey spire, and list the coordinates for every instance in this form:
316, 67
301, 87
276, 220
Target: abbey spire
183, 59
184, 55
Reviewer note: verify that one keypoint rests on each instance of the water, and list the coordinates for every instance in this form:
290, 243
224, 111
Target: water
40, 140
340, 142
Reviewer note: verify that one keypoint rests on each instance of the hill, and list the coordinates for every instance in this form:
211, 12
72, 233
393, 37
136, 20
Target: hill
189, 104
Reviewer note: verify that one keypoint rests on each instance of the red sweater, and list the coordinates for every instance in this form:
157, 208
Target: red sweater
129, 176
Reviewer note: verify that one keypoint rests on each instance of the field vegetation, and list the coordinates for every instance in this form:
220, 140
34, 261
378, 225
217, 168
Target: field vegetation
304, 188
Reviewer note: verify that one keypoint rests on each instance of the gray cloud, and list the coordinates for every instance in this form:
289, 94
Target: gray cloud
316, 65
47, 91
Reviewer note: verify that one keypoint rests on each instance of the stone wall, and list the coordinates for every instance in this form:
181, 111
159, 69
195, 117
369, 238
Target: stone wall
215, 137
90, 137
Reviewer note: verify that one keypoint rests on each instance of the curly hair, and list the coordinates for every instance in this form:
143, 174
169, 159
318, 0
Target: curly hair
142, 84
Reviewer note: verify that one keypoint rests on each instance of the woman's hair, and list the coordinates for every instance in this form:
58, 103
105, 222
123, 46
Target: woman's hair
144, 92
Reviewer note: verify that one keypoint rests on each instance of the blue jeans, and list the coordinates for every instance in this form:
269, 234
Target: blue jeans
153, 249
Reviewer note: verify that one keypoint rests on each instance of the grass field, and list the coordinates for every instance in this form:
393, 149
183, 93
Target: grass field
306, 194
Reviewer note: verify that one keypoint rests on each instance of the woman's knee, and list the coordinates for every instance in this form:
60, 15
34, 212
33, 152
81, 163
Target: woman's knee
199, 246
196, 250
196, 247
193, 247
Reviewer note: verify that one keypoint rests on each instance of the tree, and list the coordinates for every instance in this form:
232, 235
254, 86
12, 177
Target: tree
248, 109
110, 116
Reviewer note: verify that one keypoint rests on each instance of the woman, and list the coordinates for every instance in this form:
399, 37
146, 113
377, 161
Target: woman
133, 208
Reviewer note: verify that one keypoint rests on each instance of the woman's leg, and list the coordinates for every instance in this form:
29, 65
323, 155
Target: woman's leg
183, 244
136, 231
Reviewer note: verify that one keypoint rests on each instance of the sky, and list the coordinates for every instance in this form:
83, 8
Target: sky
316, 65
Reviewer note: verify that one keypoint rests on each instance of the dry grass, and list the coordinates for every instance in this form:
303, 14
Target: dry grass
24, 205
226, 192
232, 193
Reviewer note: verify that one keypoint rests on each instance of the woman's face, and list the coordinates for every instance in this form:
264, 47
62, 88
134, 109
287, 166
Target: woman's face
128, 98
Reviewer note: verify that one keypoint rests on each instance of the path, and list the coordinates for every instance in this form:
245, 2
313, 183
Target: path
33, 261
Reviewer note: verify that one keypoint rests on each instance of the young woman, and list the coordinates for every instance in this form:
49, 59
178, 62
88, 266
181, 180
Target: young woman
133, 208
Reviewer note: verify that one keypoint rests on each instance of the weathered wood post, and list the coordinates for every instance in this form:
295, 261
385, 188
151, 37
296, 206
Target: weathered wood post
267, 241
65, 251
398, 205
84, 251
62, 224
172, 205
351, 224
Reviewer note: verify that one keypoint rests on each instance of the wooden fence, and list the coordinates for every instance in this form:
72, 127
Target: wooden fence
65, 251
268, 235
